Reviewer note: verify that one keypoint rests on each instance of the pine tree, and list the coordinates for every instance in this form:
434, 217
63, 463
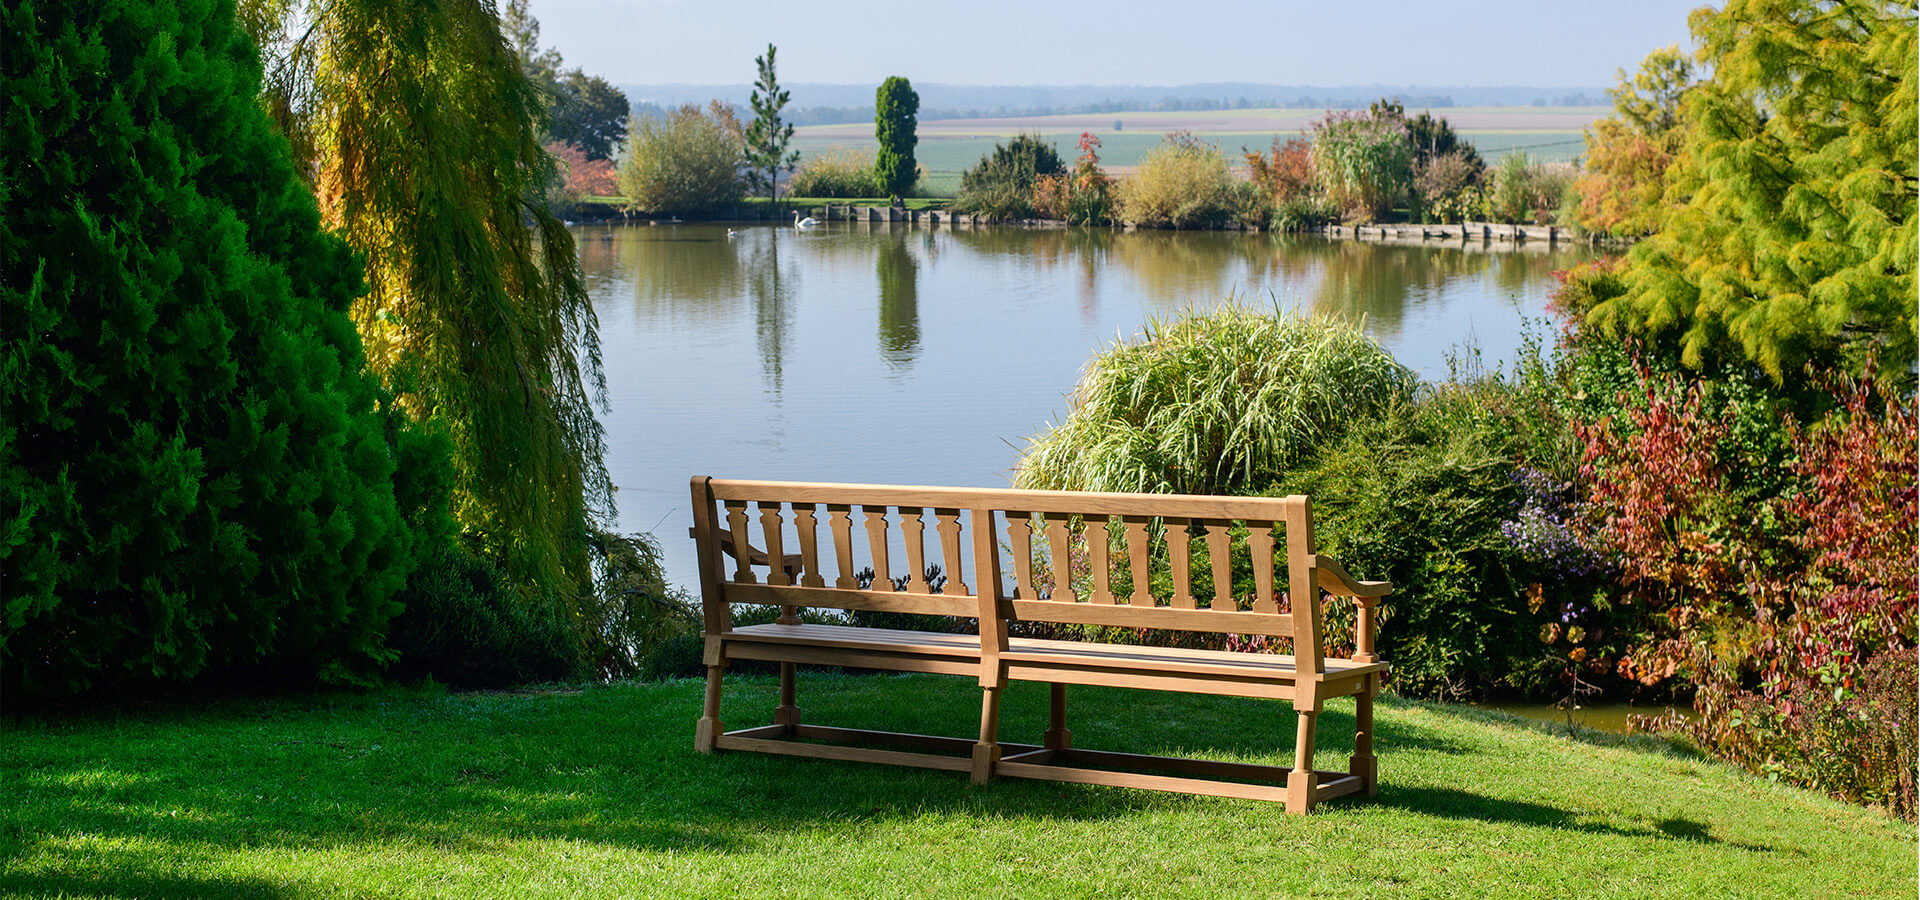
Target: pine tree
1790, 236
767, 136
895, 114
197, 471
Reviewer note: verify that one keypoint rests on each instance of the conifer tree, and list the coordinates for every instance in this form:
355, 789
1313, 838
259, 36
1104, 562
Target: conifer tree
1790, 236
896, 110
196, 470
767, 136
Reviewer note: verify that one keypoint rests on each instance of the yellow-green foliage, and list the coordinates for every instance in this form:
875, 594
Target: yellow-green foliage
1183, 183
1793, 235
686, 162
838, 172
1214, 402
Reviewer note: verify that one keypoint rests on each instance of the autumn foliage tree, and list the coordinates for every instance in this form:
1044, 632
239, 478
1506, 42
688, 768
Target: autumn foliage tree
1791, 238
1628, 153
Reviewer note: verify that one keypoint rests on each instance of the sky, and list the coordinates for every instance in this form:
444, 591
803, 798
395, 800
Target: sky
1542, 43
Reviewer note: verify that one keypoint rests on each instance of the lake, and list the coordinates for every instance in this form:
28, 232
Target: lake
891, 354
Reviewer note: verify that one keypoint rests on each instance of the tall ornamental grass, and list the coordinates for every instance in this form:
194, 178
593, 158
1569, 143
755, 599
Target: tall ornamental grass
1214, 402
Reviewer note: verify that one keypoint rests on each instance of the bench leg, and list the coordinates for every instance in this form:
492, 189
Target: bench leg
986, 754
786, 714
1362, 763
1302, 781
710, 728
1058, 737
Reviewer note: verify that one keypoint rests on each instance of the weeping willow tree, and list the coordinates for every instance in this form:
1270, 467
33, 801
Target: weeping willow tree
421, 137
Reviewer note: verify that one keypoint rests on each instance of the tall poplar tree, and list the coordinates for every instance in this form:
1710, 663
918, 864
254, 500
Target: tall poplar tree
1790, 234
767, 136
422, 134
196, 470
896, 110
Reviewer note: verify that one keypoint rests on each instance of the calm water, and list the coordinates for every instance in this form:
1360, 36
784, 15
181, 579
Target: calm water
888, 354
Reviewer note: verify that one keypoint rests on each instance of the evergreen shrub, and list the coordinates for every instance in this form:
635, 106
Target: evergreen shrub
198, 473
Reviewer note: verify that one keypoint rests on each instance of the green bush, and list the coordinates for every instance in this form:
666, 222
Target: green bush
1185, 183
1527, 192
635, 616
838, 172
688, 161
464, 625
1001, 185
198, 473
1214, 402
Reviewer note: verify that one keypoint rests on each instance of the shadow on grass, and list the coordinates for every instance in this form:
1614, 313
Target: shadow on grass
134, 874
1458, 804
1638, 741
141, 797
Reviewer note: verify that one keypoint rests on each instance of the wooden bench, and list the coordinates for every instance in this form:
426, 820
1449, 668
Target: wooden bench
980, 536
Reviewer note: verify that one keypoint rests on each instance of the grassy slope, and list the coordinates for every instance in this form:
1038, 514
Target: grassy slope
411, 794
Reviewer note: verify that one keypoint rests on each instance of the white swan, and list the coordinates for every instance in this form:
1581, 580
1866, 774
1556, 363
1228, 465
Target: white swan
807, 222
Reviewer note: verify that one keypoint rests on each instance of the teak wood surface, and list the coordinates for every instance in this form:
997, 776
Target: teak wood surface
1123, 538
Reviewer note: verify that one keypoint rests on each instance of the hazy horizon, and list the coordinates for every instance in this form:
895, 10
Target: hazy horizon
997, 43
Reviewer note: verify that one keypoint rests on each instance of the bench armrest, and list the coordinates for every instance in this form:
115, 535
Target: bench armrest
1335, 580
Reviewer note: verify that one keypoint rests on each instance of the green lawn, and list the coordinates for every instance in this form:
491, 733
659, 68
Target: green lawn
598, 793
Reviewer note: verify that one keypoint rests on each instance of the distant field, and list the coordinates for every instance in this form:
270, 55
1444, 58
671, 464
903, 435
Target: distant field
950, 146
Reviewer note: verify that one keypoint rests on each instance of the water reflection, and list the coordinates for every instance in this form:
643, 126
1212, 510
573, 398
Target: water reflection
770, 287
897, 354
898, 274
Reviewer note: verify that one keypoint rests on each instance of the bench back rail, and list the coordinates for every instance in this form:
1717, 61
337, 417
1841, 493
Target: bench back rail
1137, 533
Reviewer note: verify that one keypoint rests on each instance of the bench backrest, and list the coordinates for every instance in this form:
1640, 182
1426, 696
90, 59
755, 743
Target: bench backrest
1044, 533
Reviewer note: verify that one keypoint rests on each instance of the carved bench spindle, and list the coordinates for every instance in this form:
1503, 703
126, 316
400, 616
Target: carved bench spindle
913, 529
1099, 539
771, 532
1060, 541
1218, 548
737, 525
840, 522
877, 546
809, 550
1020, 536
1260, 543
1135, 530
1180, 563
948, 525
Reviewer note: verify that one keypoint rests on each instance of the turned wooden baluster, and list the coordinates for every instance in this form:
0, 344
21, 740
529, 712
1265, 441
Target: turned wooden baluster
737, 526
1260, 544
840, 522
1060, 542
1020, 535
1218, 546
913, 529
948, 525
877, 546
770, 531
1098, 540
1180, 561
1134, 528
809, 551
